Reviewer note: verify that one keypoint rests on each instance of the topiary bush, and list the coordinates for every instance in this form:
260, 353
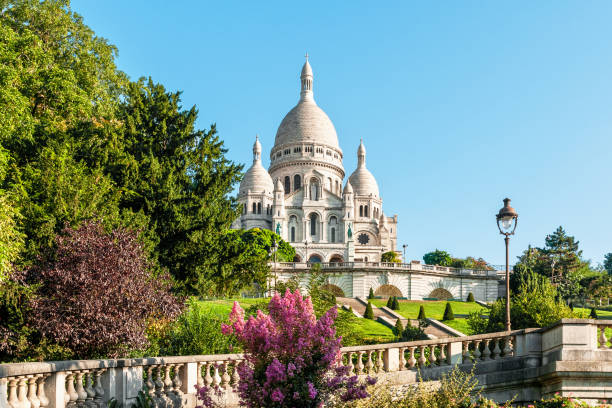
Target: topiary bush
371, 294
390, 302
593, 314
399, 328
395, 305
421, 315
470, 297
369, 313
448, 312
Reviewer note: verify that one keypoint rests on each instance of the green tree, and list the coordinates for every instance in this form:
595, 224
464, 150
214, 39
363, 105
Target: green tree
371, 294
395, 303
390, 302
11, 238
470, 297
390, 256
448, 312
607, 264
437, 257
369, 313
399, 328
593, 314
421, 315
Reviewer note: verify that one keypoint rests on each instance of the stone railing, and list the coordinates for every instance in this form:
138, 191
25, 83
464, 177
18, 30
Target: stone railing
570, 357
301, 266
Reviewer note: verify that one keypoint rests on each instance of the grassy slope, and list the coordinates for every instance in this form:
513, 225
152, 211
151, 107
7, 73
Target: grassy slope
363, 327
435, 310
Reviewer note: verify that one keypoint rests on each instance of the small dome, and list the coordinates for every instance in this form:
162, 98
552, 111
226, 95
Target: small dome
306, 69
256, 180
348, 189
362, 180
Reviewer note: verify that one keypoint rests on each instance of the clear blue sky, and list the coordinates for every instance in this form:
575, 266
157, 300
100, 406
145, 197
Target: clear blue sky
460, 104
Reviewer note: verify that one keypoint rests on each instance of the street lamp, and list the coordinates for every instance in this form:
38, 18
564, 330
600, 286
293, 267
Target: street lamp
274, 249
507, 218
405, 246
306, 251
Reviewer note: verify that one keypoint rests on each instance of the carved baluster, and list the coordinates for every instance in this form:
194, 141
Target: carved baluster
32, 398
379, 361
360, 365
199, 379
602, 337
496, 349
177, 383
477, 352
486, 353
466, 352
442, 356
412, 361
207, 378
225, 379
150, 383
168, 395
99, 390
216, 377
159, 386
72, 394
507, 347
402, 359
422, 360
89, 402
82, 395
432, 355
22, 392
12, 398
236, 374
40, 391
369, 365
350, 363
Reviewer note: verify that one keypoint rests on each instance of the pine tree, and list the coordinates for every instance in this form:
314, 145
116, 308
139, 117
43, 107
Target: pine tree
470, 297
399, 328
421, 313
448, 312
593, 314
371, 295
369, 313
390, 302
395, 304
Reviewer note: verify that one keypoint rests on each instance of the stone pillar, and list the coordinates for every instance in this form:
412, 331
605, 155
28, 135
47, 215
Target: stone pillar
55, 389
123, 383
189, 377
3, 393
454, 352
391, 359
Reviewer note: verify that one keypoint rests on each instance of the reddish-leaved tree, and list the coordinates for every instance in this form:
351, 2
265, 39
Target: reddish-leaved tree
97, 292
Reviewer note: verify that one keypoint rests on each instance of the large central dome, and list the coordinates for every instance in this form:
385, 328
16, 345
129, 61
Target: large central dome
306, 122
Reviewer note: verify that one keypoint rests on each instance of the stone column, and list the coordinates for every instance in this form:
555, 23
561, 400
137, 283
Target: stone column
391, 359
55, 389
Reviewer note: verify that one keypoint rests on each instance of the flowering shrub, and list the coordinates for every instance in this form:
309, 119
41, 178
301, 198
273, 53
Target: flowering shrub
290, 356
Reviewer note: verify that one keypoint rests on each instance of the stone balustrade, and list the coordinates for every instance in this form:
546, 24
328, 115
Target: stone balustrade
572, 356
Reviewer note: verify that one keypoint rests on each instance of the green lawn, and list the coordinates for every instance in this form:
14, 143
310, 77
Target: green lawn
435, 310
223, 307
601, 314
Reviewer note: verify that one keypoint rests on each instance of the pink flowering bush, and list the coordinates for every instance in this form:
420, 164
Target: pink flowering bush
290, 356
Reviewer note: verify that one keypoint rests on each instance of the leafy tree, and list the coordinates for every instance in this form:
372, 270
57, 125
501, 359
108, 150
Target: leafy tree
390, 256
437, 257
412, 333
11, 238
369, 313
399, 328
593, 314
96, 293
608, 263
470, 297
421, 315
448, 312
371, 294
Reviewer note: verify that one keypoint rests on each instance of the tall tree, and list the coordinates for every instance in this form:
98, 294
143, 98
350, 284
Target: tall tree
437, 257
179, 177
608, 263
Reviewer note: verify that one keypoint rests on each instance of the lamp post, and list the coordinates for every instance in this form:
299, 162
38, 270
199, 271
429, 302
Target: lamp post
306, 251
274, 249
405, 246
507, 218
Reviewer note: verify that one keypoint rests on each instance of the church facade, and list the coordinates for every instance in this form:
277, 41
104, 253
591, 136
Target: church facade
303, 195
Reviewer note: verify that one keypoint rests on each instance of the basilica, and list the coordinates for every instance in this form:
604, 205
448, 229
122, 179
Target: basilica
303, 197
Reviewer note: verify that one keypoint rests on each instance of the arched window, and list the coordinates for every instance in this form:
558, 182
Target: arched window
314, 189
254, 208
258, 208
287, 184
313, 224
329, 184
333, 221
297, 182
292, 227
361, 210
337, 188
365, 210
333, 235
244, 209
292, 234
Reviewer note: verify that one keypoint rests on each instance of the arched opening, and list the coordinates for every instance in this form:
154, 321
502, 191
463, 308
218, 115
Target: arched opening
314, 189
333, 222
258, 208
441, 293
336, 290
361, 210
337, 188
315, 259
313, 224
297, 258
244, 208
333, 235
365, 211
292, 234
336, 259
287, 184
388, 291
297, 182
254, 208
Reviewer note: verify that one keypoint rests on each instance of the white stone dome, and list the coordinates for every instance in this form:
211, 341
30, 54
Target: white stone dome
306, 122
362, 180
256, 179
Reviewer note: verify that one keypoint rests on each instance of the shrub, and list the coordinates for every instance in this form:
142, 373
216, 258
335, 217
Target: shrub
415, 333
470, 297
395, 304
371, 294
290, 356
399, 328
390, 302
593, 314
448, 312
421, 313
369, 313
96, 292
